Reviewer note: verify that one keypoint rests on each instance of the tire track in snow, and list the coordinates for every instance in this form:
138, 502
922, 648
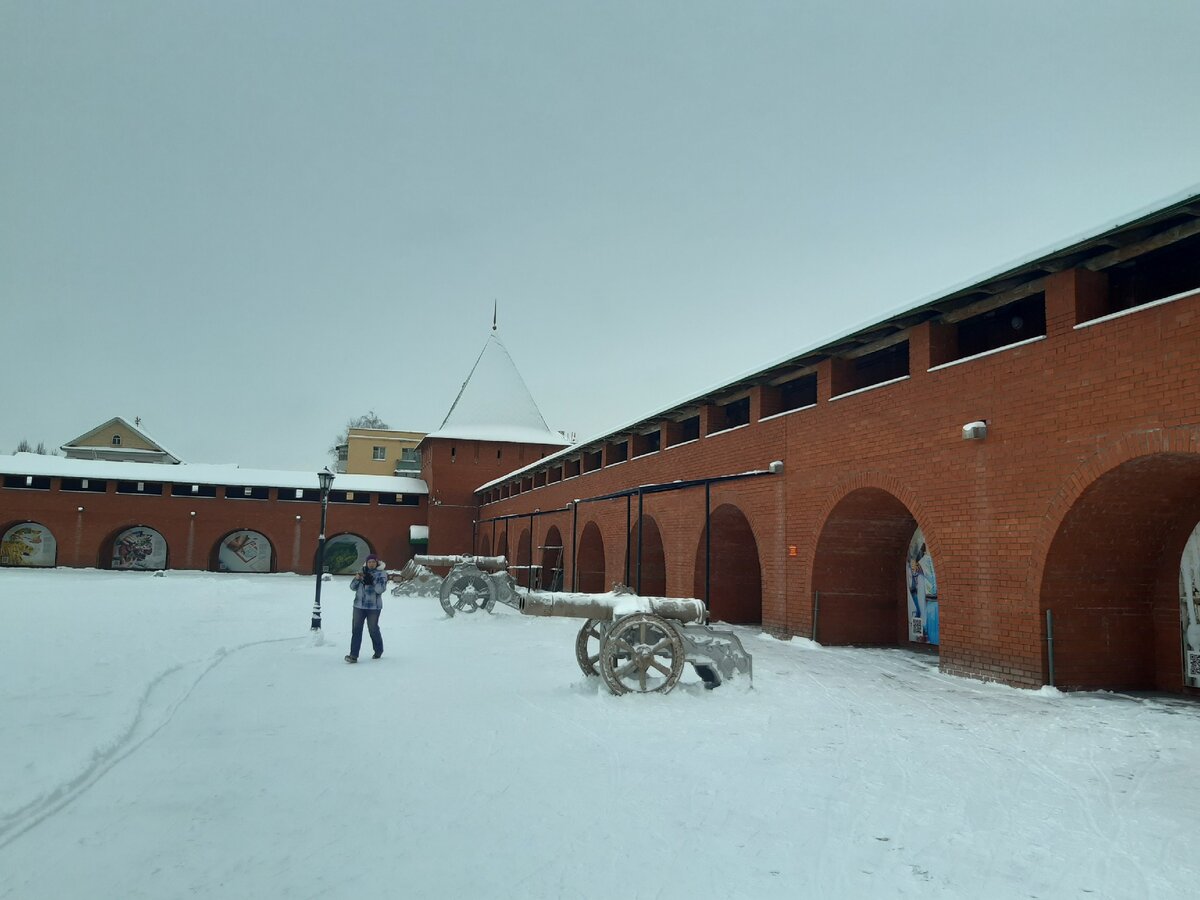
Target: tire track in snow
140, 730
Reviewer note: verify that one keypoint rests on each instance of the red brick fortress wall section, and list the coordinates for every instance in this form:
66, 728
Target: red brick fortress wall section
1006, 518
85, 537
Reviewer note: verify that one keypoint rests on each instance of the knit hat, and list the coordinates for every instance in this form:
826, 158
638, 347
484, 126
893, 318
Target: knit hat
372, 557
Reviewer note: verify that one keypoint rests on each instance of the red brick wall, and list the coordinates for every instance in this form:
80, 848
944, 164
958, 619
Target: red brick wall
862, 471
85, 538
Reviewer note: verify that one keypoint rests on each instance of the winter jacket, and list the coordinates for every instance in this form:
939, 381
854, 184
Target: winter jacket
369, 595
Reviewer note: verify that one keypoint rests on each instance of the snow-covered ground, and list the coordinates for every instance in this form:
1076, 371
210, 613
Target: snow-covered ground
183, 737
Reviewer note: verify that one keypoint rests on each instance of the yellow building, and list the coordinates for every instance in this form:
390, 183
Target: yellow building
376, 451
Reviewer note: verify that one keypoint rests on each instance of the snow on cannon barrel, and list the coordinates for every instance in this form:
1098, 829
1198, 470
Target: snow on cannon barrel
484, 563
609, 606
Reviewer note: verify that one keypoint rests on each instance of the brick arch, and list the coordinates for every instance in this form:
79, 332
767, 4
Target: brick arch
341, 566
501, 547
214, 559
857, 560
683, 534
654, 563
1109, 573
483, 543
522, 559
889, 483
553, 561
735, 593
1184, 440
590, 571
108, 547
15, 551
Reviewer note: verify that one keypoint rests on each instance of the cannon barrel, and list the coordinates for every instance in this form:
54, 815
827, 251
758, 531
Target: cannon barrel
608, 607
483, 563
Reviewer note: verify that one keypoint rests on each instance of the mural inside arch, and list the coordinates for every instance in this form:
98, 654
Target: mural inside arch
922, 592
346, 554
28, 544
1189, 608
244, 551
139, 548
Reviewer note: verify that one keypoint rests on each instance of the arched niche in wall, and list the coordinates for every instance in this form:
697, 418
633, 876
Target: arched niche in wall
244, 551
732, 573
137, 548
28, 545
346, 553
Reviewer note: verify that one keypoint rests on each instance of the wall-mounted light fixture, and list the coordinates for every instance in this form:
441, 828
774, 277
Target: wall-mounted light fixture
193, 514
776, 467
974, 431
79, 509
297, 518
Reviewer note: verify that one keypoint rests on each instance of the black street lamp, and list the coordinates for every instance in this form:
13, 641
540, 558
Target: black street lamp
325, 477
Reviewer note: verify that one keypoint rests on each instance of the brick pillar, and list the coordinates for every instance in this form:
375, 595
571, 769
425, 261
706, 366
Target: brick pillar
840, 377
764, 401
941, 345
1074, 296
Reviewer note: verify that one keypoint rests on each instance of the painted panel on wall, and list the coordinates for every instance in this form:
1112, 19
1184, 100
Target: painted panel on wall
1189, 608
346, 554
139, 548
244, 551
922, 592
28, 544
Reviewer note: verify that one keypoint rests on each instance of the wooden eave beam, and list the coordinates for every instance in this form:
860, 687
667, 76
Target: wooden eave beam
882, 344
1155, 242
983, 306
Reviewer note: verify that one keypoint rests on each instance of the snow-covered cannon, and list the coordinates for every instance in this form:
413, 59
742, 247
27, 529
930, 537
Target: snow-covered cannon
635, 644
640, 644
474, 582
415, 580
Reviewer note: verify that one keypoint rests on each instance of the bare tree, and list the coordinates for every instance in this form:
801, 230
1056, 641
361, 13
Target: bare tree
26, 447
370, 420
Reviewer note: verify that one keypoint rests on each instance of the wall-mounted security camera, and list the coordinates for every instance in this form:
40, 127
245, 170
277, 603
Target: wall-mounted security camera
975, 431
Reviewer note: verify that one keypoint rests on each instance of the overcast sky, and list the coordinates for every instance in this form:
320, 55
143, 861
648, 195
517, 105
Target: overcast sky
247, 222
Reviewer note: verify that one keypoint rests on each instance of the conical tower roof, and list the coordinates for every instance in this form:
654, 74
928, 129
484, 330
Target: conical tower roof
494, 404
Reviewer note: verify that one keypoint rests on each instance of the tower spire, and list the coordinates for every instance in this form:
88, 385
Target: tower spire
494, 309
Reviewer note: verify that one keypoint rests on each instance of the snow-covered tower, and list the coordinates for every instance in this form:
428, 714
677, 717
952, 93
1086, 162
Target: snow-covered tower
493, 427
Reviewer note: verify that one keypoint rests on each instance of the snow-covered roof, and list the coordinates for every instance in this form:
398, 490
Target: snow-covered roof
194, 473
494, 404
136, 429
1162, 208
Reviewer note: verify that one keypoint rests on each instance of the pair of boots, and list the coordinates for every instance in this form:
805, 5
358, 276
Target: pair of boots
354, 659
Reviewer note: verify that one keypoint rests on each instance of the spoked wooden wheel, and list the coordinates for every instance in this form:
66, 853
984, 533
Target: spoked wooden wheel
641, 653
587, 645
467, 590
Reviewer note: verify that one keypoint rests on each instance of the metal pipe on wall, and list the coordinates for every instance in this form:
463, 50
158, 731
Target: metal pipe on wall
1050, 644
641, 509
628, 526
707, 543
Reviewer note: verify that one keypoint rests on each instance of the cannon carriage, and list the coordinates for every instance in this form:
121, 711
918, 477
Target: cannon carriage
634, 644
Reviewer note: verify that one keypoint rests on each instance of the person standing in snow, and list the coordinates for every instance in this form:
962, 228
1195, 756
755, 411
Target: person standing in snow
368, 587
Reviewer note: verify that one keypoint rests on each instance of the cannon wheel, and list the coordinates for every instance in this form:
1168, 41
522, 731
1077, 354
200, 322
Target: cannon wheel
466, 590
587, 645
641, 653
